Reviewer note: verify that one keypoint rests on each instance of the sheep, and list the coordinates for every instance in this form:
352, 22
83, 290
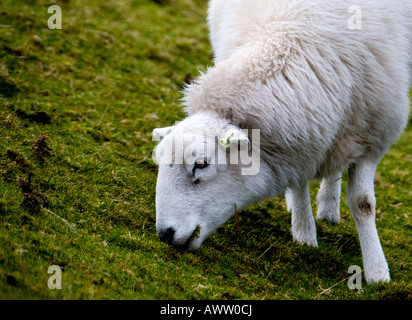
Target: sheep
324, 98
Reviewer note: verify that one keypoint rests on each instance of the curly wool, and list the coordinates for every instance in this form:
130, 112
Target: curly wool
322, 95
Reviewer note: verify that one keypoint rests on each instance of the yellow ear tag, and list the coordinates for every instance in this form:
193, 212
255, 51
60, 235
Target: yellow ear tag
225, 141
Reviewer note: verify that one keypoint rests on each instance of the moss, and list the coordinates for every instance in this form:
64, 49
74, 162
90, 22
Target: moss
96, 89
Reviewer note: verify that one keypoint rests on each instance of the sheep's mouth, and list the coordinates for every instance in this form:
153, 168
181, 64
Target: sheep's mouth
188, 245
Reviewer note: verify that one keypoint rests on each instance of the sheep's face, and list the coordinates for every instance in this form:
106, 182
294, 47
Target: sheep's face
198, 184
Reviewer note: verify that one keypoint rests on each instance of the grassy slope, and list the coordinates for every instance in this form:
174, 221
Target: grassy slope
104, 81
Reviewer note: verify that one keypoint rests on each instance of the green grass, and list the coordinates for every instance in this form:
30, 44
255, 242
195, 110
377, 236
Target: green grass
96, 89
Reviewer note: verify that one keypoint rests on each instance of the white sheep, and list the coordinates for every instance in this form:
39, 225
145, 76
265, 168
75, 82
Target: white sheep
325, 97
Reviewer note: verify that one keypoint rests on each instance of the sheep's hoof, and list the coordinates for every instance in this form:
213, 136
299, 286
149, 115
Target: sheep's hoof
379, 273
328, 215
307, 241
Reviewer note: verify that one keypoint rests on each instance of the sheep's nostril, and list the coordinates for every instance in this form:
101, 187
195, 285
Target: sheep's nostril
166, 235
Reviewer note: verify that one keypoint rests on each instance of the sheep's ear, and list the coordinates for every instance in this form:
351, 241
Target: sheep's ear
235, 136
159, 133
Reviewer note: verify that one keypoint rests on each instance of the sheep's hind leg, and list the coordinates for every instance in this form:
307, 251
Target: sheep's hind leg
361, 201
303, 223
328, 198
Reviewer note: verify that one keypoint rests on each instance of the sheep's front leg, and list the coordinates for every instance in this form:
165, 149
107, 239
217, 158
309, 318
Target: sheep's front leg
303, 223
361, 201
328, 199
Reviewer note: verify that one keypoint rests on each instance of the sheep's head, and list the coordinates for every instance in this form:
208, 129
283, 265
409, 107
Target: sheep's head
206, 166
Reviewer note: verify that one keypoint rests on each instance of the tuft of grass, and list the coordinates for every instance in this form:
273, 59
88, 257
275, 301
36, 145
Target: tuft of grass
33, 200
40, 149
96, 89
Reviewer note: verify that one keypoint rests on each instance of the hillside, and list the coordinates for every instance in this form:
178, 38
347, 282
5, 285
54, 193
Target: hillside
77, 181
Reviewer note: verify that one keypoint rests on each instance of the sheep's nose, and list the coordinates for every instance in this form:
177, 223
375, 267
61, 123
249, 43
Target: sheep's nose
166, 235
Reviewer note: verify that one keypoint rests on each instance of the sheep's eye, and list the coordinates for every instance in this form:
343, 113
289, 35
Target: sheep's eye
200, 166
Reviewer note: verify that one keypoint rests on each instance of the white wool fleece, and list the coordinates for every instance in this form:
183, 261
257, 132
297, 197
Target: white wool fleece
322, 94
